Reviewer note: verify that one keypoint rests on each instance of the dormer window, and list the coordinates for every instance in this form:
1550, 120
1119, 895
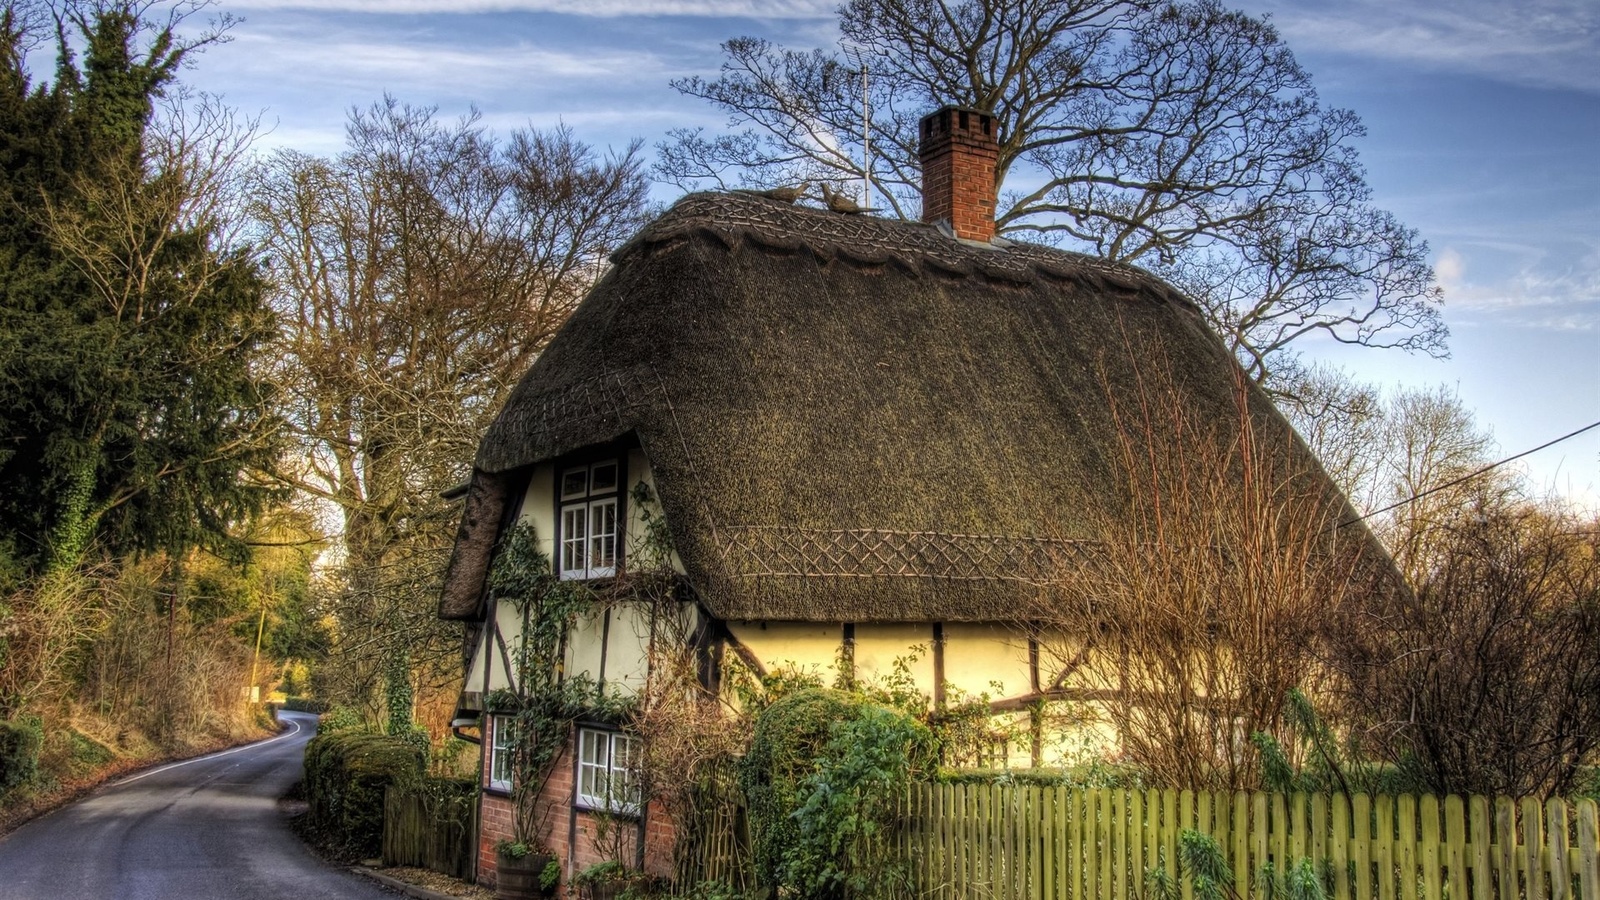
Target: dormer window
588, 517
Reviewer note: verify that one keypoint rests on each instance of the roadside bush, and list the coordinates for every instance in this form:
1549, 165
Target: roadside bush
346, 775
1588, 784
19, 754
1202, 871
265, 717
305, 705
340, 718
76, 755
1483, 679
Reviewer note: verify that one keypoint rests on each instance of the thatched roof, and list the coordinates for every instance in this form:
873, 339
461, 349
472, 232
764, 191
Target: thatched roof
852, 418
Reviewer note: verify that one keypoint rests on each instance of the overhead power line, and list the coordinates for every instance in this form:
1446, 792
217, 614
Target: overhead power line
1471, 475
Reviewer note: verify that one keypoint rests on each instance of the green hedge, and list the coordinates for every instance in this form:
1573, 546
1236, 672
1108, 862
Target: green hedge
305, 705
1090, 775
346, 775
19, 754
789, 737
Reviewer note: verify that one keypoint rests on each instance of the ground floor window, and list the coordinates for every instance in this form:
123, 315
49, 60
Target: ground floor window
607, 779
500, 743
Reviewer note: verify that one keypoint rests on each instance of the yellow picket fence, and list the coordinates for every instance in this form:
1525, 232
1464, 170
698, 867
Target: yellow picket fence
1008, 842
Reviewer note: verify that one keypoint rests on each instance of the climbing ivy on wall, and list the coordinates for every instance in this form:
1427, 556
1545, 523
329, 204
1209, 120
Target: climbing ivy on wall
542, 705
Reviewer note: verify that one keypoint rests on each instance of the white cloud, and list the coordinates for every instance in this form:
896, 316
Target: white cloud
1449, 268
1545, 43
760, 9
427, 60
1543, 293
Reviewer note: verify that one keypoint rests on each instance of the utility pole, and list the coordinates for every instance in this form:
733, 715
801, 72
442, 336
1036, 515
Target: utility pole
261, 627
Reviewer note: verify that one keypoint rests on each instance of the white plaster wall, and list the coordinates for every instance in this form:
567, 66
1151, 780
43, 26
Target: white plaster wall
805, 646
584, 644
878, 646
628, 652
634, 537
986, 659
488, 651
978, 659
539, 507
627, 642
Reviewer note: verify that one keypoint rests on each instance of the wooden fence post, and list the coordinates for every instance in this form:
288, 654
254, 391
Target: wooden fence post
1455, 852
1555, 836
1505, 856
1011, 842
1482, 824
1339, 846
1533, 848
1430, 848
1589, 850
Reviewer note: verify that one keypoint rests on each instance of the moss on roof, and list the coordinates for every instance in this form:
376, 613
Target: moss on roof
851, 418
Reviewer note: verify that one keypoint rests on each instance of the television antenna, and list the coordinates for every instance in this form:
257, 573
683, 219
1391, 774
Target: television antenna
857, 55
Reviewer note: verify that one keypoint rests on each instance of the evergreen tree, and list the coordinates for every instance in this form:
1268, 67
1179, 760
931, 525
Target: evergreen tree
130, 415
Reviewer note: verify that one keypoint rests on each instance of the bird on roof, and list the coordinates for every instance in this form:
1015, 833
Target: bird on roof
841, 203
788, 194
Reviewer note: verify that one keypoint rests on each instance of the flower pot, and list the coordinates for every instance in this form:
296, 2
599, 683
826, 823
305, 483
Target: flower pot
604, 890
517, 878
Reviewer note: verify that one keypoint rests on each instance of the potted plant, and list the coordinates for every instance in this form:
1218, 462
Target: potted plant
525, 871
603, 880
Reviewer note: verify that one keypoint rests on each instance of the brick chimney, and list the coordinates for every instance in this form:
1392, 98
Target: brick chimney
959, 151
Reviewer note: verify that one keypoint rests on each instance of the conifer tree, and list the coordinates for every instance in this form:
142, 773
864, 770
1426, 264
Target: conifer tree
130, 416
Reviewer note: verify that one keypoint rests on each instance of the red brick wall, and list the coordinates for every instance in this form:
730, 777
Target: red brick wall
560, 820
494, 825
959, 152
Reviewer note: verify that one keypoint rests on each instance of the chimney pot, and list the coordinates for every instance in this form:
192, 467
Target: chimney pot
959, 152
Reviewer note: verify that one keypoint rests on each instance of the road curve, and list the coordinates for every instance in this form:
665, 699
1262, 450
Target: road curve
202, 828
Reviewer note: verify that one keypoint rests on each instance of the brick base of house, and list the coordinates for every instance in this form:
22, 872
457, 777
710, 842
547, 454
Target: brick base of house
570, 832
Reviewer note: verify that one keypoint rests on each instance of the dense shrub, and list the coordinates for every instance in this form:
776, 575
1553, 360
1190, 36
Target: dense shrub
19, 754
1094, 774
340, 718
789, 736
822, 780
346, 774
850, 803
305, 705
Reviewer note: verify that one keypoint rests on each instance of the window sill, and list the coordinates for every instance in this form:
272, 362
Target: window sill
573, 576
631, 812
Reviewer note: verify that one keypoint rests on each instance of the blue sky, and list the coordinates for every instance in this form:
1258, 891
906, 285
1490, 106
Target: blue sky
1483, 125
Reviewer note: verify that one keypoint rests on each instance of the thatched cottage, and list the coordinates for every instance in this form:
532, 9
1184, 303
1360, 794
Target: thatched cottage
869, 439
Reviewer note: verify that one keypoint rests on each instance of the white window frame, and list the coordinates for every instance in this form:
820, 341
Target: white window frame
500, 749
601, 784
581, 550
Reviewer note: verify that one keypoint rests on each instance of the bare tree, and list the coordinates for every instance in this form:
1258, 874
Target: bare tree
1430, 440
1396, 456
1343, 422
1486, 679
1202, 605
419, 273
1182, 136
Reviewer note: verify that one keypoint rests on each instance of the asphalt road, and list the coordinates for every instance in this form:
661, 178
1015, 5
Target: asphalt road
203, 828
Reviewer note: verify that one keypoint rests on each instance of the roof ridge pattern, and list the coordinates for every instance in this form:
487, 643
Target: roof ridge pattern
732, 217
